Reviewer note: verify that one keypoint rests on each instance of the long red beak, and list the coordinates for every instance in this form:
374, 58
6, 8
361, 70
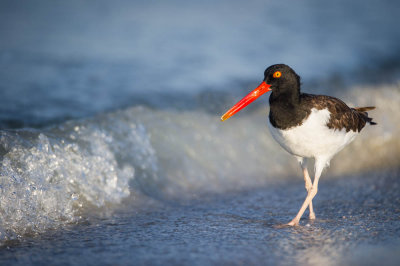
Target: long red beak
248, 99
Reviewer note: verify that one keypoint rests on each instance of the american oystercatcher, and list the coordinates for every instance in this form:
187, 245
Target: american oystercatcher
305, 125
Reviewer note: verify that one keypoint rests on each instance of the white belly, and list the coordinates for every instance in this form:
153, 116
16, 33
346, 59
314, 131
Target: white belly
313, 138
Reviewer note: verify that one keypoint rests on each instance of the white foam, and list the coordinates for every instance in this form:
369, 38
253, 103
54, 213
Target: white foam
49, 178
55, 176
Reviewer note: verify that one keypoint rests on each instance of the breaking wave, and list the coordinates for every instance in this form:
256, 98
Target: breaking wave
55, 176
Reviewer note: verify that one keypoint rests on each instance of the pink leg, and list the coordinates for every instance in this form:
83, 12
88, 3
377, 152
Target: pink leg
308, 182
319, 166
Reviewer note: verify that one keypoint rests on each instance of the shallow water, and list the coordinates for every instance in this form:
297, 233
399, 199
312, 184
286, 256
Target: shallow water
358, 222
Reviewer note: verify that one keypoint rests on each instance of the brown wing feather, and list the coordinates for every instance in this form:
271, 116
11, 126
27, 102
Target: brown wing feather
342, 116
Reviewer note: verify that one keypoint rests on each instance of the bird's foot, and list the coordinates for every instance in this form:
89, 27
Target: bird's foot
312, 216
293, 222
281, 226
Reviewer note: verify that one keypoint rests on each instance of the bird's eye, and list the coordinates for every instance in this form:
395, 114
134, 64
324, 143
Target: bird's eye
277, 74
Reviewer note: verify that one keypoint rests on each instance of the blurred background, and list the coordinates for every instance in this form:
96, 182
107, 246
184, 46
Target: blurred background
115, 105
68, 59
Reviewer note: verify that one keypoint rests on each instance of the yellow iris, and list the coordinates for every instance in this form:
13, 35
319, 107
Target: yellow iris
277, 74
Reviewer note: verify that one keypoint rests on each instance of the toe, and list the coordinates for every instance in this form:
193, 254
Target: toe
293, 223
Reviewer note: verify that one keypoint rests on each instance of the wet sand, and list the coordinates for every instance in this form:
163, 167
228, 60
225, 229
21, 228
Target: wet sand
358, 223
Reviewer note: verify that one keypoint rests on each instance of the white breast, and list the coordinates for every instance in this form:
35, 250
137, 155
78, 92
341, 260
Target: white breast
313, 138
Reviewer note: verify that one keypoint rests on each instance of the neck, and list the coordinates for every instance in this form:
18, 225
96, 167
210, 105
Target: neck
285, 111
287, 98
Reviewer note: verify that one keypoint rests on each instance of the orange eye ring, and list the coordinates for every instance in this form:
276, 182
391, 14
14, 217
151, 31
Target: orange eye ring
277, 74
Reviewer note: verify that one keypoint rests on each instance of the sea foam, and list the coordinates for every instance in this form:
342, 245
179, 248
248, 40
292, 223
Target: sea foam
55, 176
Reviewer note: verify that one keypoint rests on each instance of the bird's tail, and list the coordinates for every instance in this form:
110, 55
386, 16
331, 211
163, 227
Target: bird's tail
364, 109
363, 112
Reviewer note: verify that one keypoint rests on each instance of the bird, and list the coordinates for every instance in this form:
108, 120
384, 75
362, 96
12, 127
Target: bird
307, 126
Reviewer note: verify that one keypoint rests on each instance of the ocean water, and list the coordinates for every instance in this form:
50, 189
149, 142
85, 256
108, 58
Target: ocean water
112, 152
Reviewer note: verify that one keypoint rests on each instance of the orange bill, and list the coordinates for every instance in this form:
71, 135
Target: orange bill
248, 99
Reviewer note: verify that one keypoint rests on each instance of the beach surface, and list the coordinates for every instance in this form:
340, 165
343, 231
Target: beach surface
358, 223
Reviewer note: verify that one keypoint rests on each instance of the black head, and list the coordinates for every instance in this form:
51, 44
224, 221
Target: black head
285, 86
283, 80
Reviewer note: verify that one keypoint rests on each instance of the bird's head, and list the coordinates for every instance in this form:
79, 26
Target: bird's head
280, 78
